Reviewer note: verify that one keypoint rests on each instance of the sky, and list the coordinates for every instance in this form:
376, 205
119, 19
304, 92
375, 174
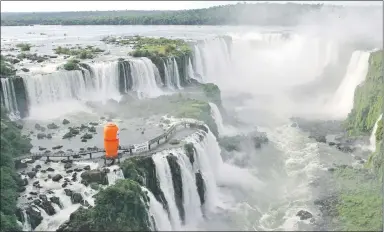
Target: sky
46, 6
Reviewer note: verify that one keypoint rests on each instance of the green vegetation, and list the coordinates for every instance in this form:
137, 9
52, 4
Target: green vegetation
32, 57
213, 93
121, 207
6, 68
360, 201
80, 53
163, 47
24, 47
72, 64
241, 13
379, 132
12, 145
368, 101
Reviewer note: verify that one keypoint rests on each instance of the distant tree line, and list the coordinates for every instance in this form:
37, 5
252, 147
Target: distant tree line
239, 14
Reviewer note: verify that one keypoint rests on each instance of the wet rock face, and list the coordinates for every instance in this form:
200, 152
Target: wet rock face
57, 177
304, 215
177, 183
200, 187
35, 217
95, 176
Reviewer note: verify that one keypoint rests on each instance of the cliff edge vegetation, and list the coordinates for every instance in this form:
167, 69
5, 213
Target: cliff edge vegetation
360, 198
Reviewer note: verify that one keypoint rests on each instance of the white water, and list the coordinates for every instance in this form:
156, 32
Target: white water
301, 163
342, 102
168, 76
217, 60
8, 97
158, 212
175, 74
106, 81
208, 162
198, 62
191, 200
164, 177
372, 138
191, 74
224, 130
51, 223
144, 78
115, 174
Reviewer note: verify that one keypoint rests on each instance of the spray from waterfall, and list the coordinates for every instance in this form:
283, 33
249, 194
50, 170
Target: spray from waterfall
342, 102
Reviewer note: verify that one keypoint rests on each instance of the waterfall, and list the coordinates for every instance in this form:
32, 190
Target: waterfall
217, 59
209, 162
144, 74
175, 73
224, 130
26, 222
165, 179
372, 138
8, 97
168, 76
191, 74
157, 211
215, 112
106, 79
115, 174
357, 69
191, 198
198, 61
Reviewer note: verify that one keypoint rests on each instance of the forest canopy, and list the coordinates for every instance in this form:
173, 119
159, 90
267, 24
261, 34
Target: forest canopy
241, 13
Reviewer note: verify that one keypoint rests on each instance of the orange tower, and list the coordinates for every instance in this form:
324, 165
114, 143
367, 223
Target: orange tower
111, 140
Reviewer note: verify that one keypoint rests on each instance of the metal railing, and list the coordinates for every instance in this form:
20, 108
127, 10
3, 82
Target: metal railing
130, 149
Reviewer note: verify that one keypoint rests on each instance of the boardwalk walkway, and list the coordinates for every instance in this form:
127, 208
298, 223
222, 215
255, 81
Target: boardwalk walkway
124, 151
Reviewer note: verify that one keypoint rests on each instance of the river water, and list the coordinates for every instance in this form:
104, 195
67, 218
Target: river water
258, 77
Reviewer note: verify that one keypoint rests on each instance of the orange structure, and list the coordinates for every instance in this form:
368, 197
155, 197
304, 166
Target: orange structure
111, 140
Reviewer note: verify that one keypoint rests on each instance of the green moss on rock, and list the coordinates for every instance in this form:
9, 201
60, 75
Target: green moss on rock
88, 52
6, 68
121, 207
190, 151
213, 93
368, 100
143, 171
72, 64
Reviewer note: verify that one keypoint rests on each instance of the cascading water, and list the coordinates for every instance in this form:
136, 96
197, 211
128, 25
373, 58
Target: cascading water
144, 76
224, 130
198, 63
175, 74
8, 97
217, 117
191, 198
168, 76
216, 58
106, 81
372, 138
115, 174
165, 179
159, 214
342, 101
191, 74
